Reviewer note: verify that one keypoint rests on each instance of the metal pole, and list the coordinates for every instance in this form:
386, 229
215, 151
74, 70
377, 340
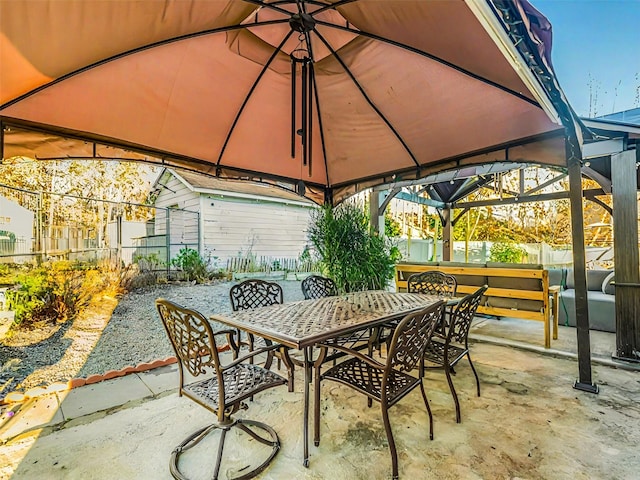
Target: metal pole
119, 237
167, 236
42, 244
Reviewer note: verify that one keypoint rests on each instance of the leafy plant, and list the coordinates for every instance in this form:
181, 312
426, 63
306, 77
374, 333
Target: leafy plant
507, 253
149, 262
392, 227
53, 292
349, 253
192, 264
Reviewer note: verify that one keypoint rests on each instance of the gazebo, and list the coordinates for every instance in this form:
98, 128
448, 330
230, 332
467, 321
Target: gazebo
323, 98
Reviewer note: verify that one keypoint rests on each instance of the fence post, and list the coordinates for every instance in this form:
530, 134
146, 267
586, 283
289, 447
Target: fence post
167, 236
41, 248
118, 237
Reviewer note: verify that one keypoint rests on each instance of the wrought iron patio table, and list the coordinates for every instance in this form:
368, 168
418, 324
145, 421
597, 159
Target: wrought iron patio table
302, 324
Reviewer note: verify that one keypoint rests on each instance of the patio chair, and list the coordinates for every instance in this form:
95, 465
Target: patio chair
432, 282
256, 293
386, 383
316, 286
446, 351
194, 343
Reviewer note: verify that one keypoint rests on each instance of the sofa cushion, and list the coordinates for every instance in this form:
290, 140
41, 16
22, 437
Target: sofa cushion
607, 287
475, 280
557, 276
569, 282
594, 279
602, 311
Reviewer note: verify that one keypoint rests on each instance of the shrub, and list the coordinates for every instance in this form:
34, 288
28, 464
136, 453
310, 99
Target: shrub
149, 262
192, 264
349, 253
507, 253
53, 292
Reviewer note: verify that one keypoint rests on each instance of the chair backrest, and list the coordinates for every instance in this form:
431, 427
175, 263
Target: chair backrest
191, 337
254, 294
462, 315
316, 286
411, 337
432, 282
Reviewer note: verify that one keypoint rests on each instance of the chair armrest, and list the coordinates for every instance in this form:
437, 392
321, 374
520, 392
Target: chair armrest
354, 353
225, 332
252, 354
230, 334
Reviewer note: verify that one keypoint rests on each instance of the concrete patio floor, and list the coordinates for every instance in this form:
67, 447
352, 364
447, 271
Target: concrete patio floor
529, 423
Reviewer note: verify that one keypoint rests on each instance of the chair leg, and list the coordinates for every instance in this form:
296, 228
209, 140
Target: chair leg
290, 366
223, 435
475, 373
316, 406
426, 402
453, 391
268, 437
392, 443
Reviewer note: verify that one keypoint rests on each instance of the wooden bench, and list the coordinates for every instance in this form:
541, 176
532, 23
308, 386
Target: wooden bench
513, 292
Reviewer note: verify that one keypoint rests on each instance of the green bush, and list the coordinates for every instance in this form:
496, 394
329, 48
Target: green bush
53, 292
507, 253
149, 262
192, 265
349, 253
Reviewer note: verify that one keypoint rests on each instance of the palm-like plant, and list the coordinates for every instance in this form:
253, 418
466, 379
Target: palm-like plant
350, 254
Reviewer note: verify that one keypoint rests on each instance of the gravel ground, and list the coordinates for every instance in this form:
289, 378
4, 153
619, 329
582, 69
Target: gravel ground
99, 341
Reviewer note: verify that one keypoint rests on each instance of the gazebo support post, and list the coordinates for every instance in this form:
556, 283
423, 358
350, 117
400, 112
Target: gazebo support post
625, 250
584, 382
446, 217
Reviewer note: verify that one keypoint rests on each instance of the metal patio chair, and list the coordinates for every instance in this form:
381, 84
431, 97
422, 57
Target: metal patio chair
194, 343
432, 282
255, 293
446, 351
386, 383
316, 286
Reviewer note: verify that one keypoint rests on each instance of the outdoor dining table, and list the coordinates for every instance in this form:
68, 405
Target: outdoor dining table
301, 325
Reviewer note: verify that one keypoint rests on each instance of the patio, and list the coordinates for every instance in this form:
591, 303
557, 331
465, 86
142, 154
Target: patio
528, 423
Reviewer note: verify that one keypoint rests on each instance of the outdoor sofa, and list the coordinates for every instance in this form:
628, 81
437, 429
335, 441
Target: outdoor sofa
600, 298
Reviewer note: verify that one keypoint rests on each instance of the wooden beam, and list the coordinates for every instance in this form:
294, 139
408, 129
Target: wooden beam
626, 256
579, 270
447, 233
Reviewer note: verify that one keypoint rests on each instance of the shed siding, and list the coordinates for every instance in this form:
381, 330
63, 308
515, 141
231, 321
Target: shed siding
235, 227
231, 226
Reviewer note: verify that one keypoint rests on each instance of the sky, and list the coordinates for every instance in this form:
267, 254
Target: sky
596, 53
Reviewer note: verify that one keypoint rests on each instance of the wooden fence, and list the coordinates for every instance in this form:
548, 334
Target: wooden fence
270, 264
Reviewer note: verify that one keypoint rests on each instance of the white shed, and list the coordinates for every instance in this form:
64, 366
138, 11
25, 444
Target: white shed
237, 219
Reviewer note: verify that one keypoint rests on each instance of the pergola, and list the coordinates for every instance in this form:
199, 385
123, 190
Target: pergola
322, 97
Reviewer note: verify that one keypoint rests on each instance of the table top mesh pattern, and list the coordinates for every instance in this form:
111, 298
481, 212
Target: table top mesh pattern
304, 322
